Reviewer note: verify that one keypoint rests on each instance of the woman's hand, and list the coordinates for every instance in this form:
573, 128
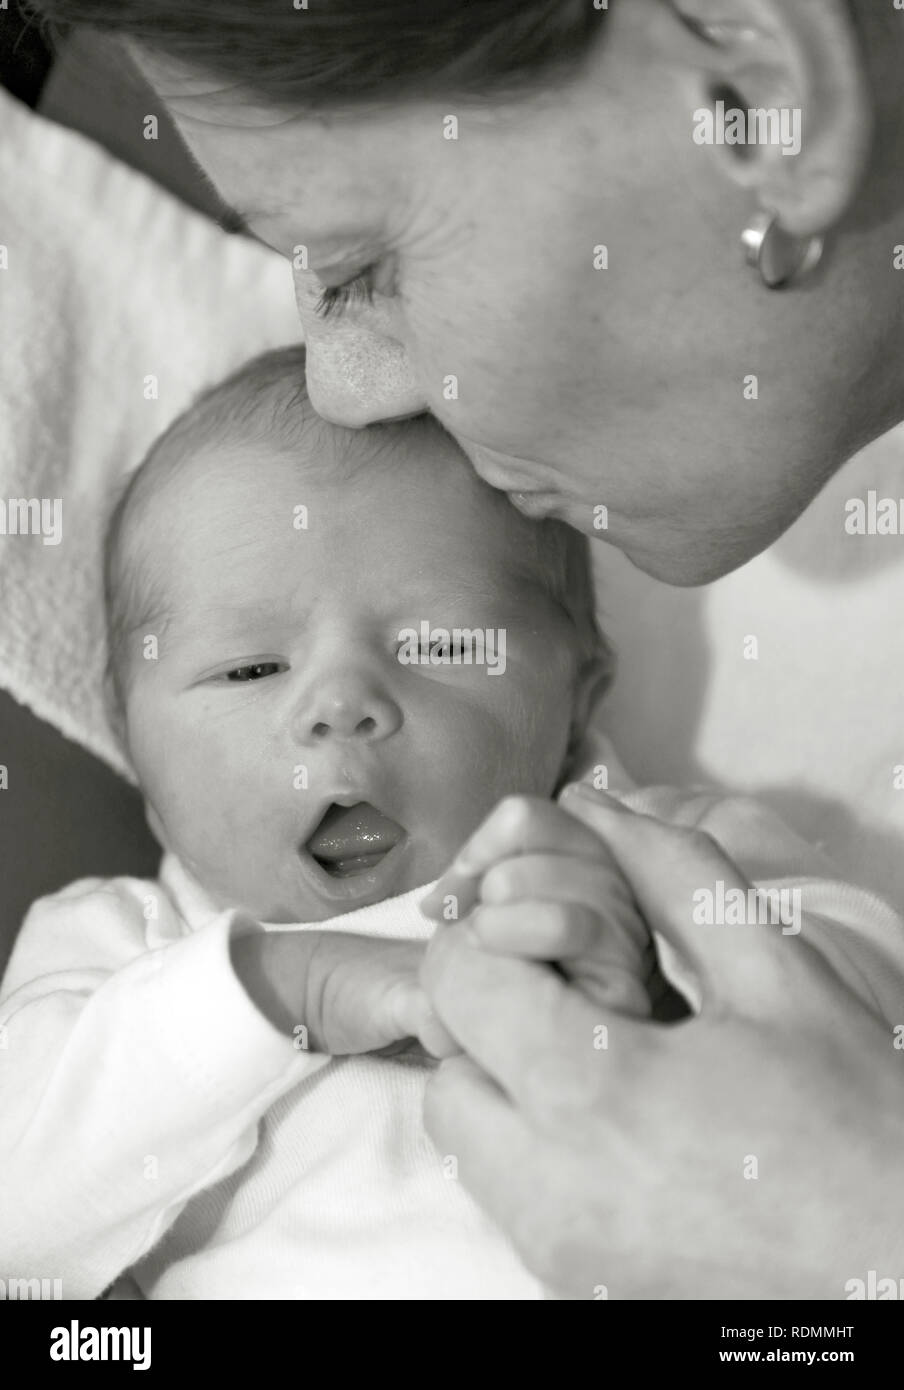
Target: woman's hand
753, 1151
533, 882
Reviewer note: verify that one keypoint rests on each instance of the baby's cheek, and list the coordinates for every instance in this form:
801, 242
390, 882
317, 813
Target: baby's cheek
513, 746
536, 729
188, 790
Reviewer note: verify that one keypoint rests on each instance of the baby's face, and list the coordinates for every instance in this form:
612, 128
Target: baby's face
292, 753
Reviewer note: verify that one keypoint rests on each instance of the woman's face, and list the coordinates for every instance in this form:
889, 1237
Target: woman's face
562, 286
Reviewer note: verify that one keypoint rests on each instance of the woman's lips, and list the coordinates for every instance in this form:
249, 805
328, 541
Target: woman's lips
351, 840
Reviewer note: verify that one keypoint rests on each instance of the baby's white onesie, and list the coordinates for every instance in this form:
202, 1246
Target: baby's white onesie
154, 1122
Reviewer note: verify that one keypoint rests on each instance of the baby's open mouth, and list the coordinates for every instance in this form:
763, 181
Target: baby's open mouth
352, 839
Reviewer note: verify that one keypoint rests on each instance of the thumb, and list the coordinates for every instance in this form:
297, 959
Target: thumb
682, 881
413, 1016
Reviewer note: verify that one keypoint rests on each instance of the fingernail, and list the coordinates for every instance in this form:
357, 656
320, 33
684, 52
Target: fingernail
578, 789
462, 864
432, 904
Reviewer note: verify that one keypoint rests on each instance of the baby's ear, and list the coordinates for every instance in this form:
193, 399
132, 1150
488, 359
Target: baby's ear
155, 825
591, 686
595, 676
113, 708
592, 682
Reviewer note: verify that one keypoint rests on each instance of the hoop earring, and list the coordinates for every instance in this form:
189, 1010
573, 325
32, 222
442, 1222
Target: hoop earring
778, 256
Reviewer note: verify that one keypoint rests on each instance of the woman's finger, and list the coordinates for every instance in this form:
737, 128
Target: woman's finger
699, 903
495, 1152
536, 1035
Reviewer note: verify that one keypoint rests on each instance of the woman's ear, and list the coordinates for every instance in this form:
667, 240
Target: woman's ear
797, 73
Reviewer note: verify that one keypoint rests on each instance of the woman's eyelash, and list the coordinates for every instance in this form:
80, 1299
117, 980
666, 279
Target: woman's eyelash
335, 299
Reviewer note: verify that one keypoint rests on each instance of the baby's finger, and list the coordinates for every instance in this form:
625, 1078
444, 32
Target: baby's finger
536, 930
611, 965
570, 880
452, 898
617, 987
518, 825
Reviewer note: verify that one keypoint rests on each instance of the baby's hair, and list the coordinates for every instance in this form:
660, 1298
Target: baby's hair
265, 402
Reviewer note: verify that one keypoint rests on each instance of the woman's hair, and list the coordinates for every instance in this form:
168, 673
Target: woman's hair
343, 51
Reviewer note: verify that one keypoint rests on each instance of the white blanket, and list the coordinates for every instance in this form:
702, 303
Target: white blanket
109, 281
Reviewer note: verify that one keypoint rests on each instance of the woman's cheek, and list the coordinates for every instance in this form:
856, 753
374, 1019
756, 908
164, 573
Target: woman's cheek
467, 380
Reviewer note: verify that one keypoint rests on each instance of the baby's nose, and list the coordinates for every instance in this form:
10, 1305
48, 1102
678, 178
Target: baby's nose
357, 370
347, 710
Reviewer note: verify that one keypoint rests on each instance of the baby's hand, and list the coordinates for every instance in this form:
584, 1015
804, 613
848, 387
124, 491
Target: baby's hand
338, 993
533, 881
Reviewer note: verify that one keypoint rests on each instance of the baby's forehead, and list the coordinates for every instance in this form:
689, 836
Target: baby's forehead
403, 483
325, 468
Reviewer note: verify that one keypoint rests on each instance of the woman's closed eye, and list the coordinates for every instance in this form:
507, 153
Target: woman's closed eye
335, 299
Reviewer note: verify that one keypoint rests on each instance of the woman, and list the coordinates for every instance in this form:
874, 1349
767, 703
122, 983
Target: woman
512, 214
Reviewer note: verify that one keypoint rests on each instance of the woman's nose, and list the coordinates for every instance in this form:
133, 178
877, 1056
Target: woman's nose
346, 709
358, 370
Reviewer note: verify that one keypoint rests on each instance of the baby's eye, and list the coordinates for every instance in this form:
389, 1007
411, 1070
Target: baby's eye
255, 671
444, 649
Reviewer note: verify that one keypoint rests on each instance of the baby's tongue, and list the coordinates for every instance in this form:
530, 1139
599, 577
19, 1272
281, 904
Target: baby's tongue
352, 839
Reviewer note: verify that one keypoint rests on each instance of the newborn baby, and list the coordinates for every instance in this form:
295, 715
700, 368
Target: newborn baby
332, 654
